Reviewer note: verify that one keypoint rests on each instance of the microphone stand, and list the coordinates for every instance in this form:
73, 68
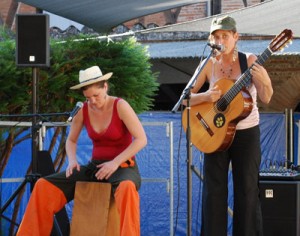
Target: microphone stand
186, 95
34, 176
35, 127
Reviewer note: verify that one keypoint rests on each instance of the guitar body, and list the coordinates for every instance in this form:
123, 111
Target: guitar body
213, 129
213, 125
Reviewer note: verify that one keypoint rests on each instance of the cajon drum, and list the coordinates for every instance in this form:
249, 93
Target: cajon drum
94, 211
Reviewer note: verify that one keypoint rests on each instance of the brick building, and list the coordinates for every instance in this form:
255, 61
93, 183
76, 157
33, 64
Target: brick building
9, 9
192, 12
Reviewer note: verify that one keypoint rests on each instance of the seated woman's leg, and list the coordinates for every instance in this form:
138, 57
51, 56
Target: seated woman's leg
49, 195
46, 199
128, 204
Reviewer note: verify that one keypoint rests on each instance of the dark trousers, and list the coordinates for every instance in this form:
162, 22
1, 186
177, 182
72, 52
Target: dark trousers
87, 173
245, 156
52, 192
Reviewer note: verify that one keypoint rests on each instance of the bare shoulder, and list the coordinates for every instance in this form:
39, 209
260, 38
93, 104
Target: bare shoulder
124, 108
122, 103
209, 63
206, 68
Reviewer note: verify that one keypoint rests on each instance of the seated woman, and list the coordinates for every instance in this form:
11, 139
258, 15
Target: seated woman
117, 136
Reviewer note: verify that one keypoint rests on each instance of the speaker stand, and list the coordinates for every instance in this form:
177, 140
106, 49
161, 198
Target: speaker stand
34, 176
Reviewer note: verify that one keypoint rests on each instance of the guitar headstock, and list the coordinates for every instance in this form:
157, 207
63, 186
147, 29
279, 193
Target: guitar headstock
281, 40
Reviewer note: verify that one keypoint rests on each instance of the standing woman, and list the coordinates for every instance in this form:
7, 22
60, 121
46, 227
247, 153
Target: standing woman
117, 136
244, 152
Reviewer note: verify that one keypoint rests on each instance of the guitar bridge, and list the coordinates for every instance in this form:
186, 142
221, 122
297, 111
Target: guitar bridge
204, 124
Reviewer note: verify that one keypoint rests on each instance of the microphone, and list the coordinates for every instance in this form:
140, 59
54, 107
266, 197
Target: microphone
219, 47
78, 106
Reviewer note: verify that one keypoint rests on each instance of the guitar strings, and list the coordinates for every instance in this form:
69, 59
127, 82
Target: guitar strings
241, 82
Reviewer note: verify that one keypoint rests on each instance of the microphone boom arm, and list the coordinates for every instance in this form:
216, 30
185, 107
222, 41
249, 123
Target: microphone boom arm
186, 92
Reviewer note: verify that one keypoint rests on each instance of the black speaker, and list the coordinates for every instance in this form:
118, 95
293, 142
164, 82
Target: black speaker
280, 202
32, 41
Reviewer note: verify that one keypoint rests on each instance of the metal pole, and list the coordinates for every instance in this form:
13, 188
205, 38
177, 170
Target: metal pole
186, 95
291, 136
189, 171
170, 125
34, 140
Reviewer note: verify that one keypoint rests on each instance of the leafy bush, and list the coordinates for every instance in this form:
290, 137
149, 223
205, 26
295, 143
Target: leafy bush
132, 77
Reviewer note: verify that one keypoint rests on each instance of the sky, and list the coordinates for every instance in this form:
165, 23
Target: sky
62, 22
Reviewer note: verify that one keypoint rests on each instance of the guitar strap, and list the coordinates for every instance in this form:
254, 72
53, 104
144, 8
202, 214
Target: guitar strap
243, 62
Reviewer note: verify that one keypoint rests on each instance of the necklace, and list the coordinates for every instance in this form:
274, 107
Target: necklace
227, 72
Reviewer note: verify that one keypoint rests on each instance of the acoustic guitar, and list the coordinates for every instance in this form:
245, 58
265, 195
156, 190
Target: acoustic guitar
213, 125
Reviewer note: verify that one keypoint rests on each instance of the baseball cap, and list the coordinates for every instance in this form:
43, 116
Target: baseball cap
223, 23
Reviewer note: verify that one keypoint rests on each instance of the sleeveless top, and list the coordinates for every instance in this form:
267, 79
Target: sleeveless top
253, 118
110, 142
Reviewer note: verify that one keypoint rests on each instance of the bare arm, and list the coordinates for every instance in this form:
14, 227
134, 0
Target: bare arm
211, 95
71, 143
261, 80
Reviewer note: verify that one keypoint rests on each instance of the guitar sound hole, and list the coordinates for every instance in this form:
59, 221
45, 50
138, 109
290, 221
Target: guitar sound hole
222, 106
219, 120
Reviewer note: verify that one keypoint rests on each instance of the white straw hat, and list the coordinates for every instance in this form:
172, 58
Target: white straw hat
90, 76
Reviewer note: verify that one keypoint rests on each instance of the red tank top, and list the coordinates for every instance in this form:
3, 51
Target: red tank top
112, 141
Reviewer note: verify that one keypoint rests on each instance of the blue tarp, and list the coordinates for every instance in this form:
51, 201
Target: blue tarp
154, 163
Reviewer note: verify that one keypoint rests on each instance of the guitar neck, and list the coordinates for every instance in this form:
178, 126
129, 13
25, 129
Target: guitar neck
242, 81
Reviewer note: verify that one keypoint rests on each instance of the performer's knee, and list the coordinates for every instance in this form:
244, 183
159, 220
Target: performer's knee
127, 185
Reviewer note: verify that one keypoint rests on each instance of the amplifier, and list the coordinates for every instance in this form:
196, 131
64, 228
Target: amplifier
279, 174
280, 203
